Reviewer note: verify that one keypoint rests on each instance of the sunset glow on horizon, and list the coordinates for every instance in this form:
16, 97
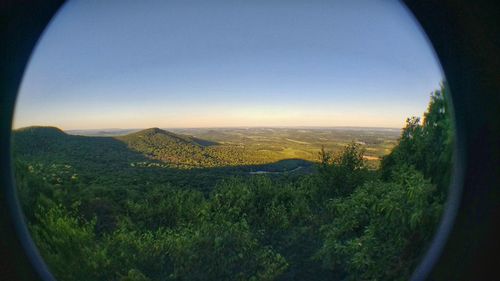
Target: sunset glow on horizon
193, 64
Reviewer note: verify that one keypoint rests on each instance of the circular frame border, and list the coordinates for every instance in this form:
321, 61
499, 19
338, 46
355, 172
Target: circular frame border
465, 39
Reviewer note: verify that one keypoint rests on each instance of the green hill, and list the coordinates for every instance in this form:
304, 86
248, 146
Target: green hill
168, 136
36, 140
187, 152
174, 149
147, 145
139, 158
39, 143
155, 205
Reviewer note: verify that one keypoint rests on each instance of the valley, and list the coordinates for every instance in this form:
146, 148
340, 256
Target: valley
266, 144
213, 203
193, 158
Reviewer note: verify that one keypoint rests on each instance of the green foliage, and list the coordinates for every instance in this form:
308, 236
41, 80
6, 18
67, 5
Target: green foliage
426, 145
154, 205
184, 152
340, 174
134, 275
381, 230
172, 208
144, 252
67, 244
279, 214
217, 249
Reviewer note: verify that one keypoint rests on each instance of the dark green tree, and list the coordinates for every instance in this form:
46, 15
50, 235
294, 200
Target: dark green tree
426, 145
341, 173
381, 230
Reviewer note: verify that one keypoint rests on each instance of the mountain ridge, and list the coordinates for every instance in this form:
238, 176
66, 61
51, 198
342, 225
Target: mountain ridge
154, 144
155, 131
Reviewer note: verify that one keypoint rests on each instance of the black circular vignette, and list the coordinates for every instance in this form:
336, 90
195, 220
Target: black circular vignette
465, 37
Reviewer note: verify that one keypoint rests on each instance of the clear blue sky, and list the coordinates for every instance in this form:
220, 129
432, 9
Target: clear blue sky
138, 64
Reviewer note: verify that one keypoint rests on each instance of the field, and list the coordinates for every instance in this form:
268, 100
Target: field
275, 144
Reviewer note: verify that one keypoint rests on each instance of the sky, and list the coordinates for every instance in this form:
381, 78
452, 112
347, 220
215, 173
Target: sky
218, 63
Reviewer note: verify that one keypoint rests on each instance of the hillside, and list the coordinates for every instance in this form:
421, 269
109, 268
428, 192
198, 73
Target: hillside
177, 150
147, 145
39, 143
139, 157
155, 203
241, 149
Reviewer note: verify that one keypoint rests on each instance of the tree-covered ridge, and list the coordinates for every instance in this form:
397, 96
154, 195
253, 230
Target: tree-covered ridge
150, 144
345, 221
137, 158
182, 151
152, 147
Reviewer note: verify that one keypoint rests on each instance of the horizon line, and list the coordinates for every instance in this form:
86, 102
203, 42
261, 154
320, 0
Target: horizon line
221, 127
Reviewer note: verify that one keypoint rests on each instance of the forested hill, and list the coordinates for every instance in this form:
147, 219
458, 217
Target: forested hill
124, 162
150, 145
111, 208
36, 140
178, 150
44, 143
163, 136
137, 158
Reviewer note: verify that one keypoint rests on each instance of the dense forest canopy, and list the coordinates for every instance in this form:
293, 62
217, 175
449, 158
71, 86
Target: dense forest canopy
158, 205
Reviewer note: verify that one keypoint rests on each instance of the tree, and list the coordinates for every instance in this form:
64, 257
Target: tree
68, 246
426, 145
340, 174
381, 230
217, 249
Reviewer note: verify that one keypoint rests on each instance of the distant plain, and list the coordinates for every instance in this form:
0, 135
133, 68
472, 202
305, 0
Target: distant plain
279, 143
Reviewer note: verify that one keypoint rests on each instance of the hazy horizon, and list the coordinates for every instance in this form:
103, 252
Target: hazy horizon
215, 128
226, 64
